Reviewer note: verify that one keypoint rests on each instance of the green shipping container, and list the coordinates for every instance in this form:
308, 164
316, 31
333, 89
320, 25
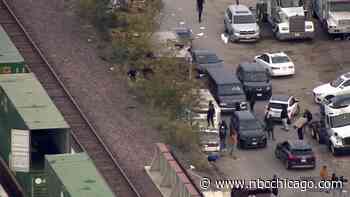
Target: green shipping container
74, 175
30, 127
11, 61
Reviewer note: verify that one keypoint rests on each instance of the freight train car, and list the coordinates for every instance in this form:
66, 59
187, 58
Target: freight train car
11, 60
30, 128
74, 175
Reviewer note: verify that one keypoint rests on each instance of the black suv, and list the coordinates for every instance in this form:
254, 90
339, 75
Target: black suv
226, 89
250, 131
255, 79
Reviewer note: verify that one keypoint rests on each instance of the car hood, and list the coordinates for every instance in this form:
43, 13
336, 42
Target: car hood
232, 98
325, 88
340, 15
294, 11
260, 84
211, 65
342, 131
246, 27
252, 133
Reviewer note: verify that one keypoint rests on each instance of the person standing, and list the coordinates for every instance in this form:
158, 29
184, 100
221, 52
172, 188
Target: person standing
269, 126
222, 134
232, 141
308, 115
252, 99
200, 4
210, 114
324, 173
284, 118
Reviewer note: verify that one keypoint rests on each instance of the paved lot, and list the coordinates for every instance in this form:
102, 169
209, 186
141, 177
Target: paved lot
316, 62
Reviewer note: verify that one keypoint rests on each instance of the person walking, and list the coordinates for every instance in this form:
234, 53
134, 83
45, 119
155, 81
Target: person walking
210, 114
324, 173
232, 142
308, 115
269, 126
222, 134
252, 99
200, 4
284, 118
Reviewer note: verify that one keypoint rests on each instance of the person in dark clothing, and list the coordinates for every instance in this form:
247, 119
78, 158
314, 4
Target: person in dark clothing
300, 133
252, 98
210, 114
308, 115
222, 134
132, 74
200, 4
274, 185
284, 118
269, 126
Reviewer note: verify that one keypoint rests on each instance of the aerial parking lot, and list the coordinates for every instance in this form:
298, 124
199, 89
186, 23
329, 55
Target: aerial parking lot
316, 61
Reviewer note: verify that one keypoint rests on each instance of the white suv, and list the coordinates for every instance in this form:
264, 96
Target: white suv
339, 86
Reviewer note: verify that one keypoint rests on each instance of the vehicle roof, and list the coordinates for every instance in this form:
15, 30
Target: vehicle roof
239, 9
276, 54
244, 115
279, 98
31, 101
336, 111
252, 66
299, 144
223, 76
8, 52
78, 174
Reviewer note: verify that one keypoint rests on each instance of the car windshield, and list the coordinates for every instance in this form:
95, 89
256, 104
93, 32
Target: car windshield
337, 82
291, 3
250, 125
207, 59
226, 90
340, 6
243, 19
277, 105
280, 59
340, 120
302, 152
255, 76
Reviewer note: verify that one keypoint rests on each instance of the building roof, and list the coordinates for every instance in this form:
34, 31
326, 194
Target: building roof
8, 52
31, 101
223, 76
280, 98
79, 175
252, 66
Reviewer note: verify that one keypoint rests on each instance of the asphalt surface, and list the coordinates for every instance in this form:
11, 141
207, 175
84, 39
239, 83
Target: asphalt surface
316, 61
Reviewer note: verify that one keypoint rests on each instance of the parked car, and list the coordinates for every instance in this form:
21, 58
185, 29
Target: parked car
204, 59
250, 131
295, 154
255, 79
240, 24
278, 102
339, 86
278, 64
226, 89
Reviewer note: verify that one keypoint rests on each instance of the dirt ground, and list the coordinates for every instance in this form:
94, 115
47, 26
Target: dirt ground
103, 97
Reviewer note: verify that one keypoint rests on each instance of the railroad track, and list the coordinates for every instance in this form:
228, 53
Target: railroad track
83, 133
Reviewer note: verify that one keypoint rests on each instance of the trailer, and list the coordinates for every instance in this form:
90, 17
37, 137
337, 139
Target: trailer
74, 175
288, 18
30, 128
11, 61
334, 15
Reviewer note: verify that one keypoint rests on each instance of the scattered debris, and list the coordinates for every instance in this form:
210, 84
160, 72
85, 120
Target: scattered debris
111, 68
172, 14
192, 167
182, 23
202, 28
89, 40
200, 34
180, 9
